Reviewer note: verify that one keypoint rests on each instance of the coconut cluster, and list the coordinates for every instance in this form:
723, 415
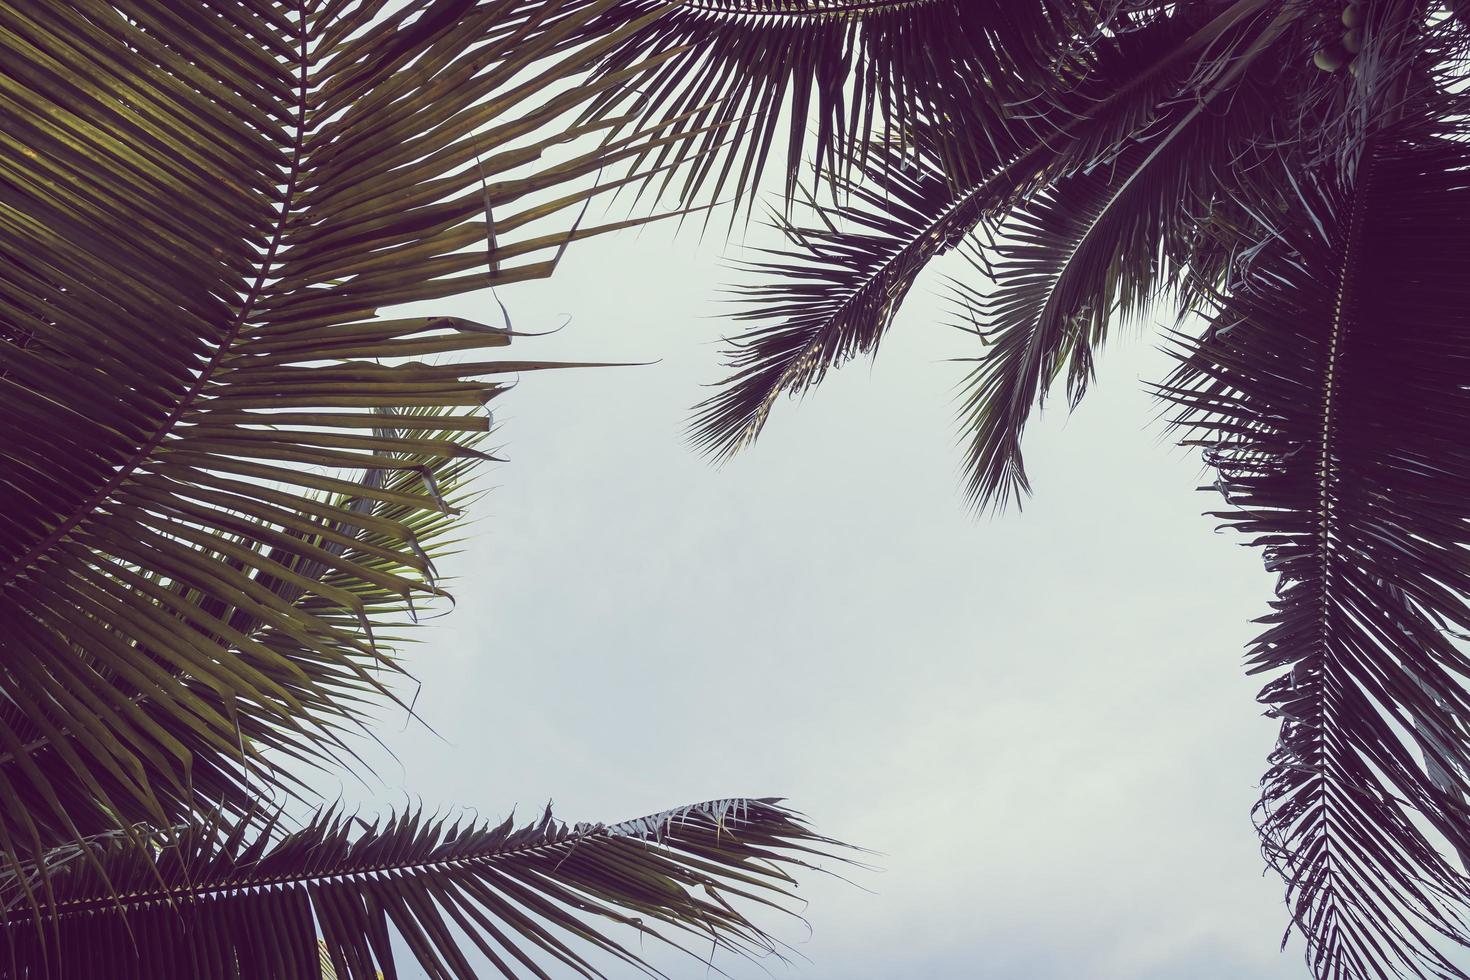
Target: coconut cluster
1341, 51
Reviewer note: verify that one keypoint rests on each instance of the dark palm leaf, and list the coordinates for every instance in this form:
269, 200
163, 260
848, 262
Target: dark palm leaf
359, 544
829, 299
849, 66
1094, 247
1329, 392
240, 899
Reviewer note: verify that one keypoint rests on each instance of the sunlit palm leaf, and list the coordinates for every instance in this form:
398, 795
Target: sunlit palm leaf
226, 899
204, 209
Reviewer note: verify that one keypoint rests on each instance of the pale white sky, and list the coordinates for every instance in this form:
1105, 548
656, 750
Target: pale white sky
1040, 720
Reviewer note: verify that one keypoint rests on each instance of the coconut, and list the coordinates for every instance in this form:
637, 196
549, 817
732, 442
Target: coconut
1330, 58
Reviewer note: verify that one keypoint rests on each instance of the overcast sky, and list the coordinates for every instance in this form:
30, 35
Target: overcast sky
1039, 720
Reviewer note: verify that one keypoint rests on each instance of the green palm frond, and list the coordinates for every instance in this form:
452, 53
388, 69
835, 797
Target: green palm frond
1330, 393
243, 899
341, 574
204, 209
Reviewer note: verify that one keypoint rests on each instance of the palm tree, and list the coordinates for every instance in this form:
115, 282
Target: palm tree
225, 480
1291, 180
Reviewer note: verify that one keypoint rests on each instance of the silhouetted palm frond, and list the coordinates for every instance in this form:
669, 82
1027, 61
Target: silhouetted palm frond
244, 899
225, 478
742, 71
827, 299
832, 297
1330, 393
1095, 247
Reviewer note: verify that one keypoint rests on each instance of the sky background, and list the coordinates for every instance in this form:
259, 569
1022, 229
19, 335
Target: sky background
1039, 720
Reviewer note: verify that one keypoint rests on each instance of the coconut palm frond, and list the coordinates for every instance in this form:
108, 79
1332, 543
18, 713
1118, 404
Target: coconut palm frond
359, 547
832, 296
244, 899
828, 298
204, 210
1092, 250
745, 70
1329, 394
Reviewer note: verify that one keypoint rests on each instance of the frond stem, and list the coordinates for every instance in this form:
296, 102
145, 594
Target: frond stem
488, 855
813, 10
1327, 480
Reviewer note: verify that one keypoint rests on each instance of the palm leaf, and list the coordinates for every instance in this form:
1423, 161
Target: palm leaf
847, 66
206, 209
826, 301
229, 899
1325, 395
1095, 247
829, 298
377, 539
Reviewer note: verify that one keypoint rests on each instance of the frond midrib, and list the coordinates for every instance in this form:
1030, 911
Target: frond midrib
1328, 682
89, 505
803, 10
194, 893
